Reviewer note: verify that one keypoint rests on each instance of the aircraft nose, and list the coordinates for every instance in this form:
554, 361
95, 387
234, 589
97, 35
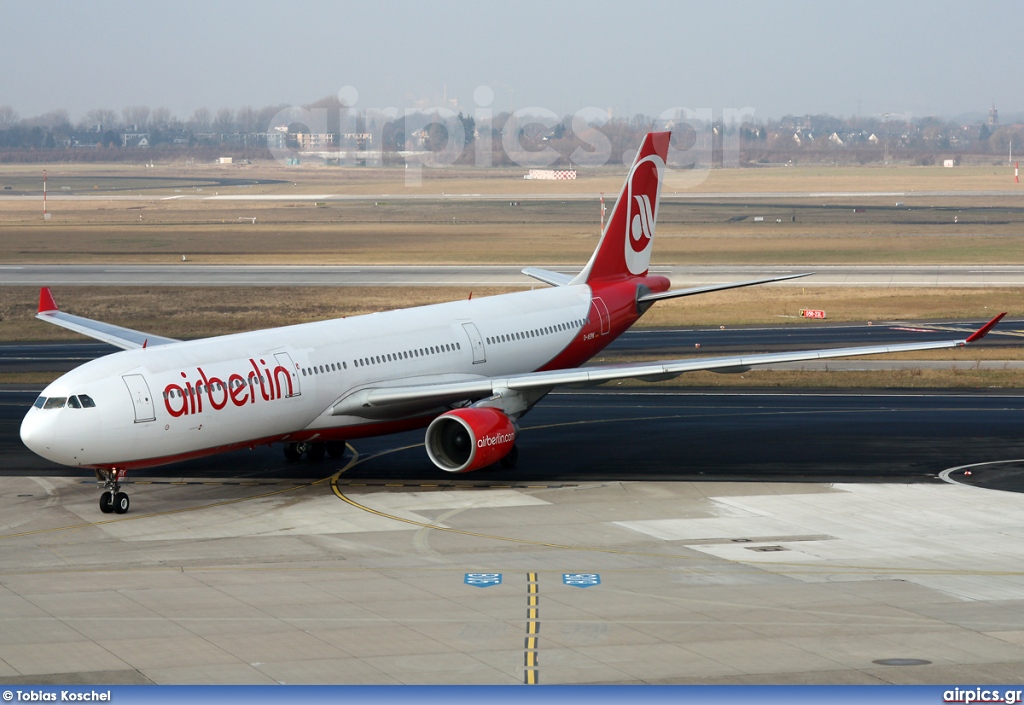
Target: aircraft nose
38, 432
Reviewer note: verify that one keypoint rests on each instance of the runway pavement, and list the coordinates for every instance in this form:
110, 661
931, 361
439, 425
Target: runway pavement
646, 537
195, 274
410, 195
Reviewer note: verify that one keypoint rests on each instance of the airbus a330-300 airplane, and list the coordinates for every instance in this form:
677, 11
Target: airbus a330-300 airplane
467, 370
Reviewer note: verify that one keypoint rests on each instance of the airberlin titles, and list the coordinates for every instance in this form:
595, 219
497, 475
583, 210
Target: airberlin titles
240, 389
496, 439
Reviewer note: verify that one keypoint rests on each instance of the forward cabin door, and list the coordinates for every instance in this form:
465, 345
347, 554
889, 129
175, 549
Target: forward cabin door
141, 398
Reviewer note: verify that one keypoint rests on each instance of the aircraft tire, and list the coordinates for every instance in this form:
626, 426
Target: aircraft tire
292, 452
121, 503
315, 451
107, 502
510, 460
336, 449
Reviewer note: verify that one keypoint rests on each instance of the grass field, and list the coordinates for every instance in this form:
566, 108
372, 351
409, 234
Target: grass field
196, 312
966, 228
970, 227
494, 232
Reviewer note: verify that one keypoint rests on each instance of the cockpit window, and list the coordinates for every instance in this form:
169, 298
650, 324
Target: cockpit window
55, 403
73, 403
87, 402
39, 402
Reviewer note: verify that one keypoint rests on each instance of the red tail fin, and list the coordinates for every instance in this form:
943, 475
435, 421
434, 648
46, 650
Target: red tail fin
625, 247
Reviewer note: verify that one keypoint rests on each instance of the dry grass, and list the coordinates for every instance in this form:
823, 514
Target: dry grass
488, 232
821, 230
188, 312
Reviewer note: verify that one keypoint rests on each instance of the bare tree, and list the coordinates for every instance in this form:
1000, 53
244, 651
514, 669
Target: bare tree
51, 120
161, 118
8, 117
224, 123
246, 119
137, 115
200, 120
99, 119
266, 115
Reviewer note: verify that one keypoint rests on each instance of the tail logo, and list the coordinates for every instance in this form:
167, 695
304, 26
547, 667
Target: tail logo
641, 214
642, 227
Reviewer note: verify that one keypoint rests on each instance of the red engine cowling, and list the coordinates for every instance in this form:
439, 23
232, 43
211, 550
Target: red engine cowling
469, 439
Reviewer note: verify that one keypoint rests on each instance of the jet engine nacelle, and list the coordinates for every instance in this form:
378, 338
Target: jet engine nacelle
469, 439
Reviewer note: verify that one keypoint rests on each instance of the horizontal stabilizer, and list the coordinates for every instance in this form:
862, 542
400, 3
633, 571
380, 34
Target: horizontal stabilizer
548, 277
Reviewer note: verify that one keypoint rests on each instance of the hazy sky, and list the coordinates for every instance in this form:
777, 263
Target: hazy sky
778, 57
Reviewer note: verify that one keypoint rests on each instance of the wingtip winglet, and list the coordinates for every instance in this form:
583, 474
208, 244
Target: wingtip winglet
46, 302
983, 331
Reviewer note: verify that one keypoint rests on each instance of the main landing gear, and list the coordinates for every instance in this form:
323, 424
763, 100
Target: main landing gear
314, 450
510, 460
113, 500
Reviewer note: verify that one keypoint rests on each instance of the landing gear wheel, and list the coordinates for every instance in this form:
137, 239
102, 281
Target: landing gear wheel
510, 460
112, 499
336, 449
315, 451
292, 452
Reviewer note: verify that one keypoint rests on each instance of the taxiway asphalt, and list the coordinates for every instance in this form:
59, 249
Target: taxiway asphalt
647, 537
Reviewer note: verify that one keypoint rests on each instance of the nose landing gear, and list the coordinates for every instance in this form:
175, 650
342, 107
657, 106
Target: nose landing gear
113, 500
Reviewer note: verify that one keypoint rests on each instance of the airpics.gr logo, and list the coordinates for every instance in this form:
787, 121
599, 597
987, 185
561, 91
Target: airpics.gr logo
644, 186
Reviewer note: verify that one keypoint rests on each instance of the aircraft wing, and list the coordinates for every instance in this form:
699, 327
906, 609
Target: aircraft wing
124, 338
374, 401
675, 293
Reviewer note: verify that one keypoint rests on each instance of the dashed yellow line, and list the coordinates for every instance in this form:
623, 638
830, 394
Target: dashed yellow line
531, 672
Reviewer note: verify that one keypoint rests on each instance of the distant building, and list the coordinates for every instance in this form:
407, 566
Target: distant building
993, 116
314, 140
135, 139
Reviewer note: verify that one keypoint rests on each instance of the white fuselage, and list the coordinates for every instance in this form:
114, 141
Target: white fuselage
185, 399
